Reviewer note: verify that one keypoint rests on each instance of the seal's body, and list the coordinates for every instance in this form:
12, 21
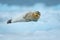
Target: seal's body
27, 17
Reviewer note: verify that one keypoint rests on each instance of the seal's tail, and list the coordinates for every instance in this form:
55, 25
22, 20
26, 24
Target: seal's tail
9, 21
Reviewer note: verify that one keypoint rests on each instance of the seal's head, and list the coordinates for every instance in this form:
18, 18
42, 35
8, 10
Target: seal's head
36, 15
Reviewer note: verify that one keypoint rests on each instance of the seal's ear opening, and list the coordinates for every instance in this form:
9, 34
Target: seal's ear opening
9, 21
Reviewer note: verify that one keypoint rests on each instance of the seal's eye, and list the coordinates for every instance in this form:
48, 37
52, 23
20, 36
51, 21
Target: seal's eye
36, 15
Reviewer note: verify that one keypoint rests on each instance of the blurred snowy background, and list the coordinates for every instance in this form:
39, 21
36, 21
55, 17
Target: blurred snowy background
47, 27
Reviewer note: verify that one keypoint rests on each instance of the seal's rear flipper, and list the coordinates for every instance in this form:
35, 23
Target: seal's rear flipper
9, 21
